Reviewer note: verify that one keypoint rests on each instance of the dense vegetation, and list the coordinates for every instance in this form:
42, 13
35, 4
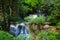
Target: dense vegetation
6, 36
18, 11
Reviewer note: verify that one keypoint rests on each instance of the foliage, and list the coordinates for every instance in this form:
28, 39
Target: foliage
53, 15
23, 37
48, 35
15, 18
50, 7
55, 12
58, 36
32, 39
25, 8
6, 15
6, 36
11, 10
40, 19
58, 25
20, 37
33, 4
52, 19
27, 19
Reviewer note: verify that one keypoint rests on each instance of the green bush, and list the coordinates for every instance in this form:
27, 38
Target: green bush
27, 19
58, 36
48, 35
52, 19
40, 19
53, 16
6, 36
58, 25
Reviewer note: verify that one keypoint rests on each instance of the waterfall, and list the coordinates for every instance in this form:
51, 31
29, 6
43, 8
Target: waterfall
15, 30
23, 29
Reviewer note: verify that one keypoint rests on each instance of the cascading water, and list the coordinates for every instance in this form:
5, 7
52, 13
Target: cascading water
15, 30
23, 29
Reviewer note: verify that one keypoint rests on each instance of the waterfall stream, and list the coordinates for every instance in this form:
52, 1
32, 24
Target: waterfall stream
23, 29
14, 30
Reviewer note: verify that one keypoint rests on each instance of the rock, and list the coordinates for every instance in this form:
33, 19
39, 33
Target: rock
46, 26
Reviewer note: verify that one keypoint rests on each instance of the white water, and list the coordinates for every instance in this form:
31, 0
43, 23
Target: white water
24, 30
14, 30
